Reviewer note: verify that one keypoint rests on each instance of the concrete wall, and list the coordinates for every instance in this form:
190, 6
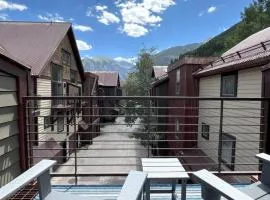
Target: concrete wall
237, 117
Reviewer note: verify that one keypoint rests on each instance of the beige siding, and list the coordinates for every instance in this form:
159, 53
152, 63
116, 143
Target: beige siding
9, 147
237, 122
43, 89
8, 99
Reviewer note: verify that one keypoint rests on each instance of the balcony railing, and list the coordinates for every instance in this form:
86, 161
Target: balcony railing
106, 136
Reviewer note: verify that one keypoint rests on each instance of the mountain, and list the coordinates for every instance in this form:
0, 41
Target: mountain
124, 66
101, 63
219, 44
255, 17
165, 57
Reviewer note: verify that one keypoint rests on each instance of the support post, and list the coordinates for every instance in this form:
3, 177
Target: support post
76, 143
220, 135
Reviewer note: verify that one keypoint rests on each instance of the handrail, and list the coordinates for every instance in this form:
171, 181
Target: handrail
25, 178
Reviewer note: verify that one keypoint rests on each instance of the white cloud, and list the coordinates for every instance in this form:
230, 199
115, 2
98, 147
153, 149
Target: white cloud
101, 8
83, 46
134, 30
208, 11
201, 14
108, 18
158, 6
89, 12
139, 17
211, 9
82, 28
129, 60
133, 13
3, 16
51, 17
5, 5
104, 16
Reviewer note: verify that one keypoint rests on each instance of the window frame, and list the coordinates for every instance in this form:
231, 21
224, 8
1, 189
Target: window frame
231, 164
66, 62
62, 128
58, 82
75, 75
177, 81
46, 124
235, 75
202, 131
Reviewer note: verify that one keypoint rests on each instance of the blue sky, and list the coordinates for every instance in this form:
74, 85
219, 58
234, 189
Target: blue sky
119, 28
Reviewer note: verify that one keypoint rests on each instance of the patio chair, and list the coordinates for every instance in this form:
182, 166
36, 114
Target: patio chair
214, 188
131, 190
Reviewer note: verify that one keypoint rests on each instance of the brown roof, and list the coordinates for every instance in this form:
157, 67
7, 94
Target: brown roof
107, 78
10, 57
191, 60
256, 38
250, 52
34, 43
159, 71
160, 80
91, 74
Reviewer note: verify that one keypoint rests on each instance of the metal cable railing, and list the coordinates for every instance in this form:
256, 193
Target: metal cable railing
109, 138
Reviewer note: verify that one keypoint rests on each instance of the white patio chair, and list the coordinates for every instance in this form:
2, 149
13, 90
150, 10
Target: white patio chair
131, 190
214, 188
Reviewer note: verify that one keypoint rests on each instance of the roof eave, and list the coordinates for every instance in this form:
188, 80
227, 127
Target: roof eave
240, 66
191, 60
76, 52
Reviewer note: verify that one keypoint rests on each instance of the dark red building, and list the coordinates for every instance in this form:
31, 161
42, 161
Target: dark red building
108, 85
181, 130
90, 126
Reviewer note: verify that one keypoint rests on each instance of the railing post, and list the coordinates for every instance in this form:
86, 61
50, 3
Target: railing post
220, 135
148, 129
28, 148
76, 143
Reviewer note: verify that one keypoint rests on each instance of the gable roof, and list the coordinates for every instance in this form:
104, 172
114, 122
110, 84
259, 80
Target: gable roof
6, 55
34, 43
253, 51
159, 71
107, 78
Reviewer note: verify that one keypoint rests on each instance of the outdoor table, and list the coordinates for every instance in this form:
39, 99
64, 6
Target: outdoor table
164, 169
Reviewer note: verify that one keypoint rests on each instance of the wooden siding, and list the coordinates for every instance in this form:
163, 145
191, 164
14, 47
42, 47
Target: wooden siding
43, 89
57, 59
9, 146
249, 85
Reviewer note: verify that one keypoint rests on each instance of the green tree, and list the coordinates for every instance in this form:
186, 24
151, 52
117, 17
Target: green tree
138, 83
255, 17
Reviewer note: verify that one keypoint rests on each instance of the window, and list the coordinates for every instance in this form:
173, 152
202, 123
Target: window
47, 122
229, 85
66, 58
73, 75
60, 124
228, 150
177, 84
205, 131
57, 80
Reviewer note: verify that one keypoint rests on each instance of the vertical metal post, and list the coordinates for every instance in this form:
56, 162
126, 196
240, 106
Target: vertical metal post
28, 152
220, 135
148, 129
76, 142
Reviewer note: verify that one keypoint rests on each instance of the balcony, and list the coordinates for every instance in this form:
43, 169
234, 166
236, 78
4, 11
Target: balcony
96, 148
